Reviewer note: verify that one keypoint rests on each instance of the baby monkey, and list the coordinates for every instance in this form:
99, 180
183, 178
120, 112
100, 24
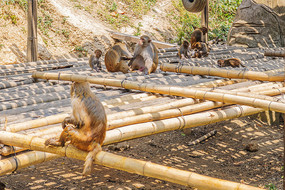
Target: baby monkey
201, 49
94, 60
233, 62
86, 127
183, 50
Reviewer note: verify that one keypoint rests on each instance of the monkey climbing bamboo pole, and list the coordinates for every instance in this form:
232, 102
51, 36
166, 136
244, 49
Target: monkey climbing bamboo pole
242, 74
126, 164
170, 90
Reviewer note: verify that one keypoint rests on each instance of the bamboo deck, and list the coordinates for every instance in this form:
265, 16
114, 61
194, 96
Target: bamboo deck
25, 100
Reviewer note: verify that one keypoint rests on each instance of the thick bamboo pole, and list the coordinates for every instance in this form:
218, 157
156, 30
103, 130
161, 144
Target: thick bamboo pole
251, 75
274, 53
170, 90
24, 160
186, 121
126, 164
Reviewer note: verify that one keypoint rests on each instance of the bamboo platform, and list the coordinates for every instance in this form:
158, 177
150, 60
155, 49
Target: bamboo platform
35, 106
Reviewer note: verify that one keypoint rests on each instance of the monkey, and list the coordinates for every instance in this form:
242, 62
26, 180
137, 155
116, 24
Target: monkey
86, 127
115, 58
94, 60
233, 62
183, 50
145, 56
196, 36
201, 49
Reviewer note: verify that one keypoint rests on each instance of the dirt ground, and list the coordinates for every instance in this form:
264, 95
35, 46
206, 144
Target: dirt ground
221, 156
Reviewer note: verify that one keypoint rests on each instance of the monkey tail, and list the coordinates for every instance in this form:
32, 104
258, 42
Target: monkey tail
90, 158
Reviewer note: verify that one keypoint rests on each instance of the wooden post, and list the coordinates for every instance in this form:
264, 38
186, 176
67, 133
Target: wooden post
205, 20
32, 41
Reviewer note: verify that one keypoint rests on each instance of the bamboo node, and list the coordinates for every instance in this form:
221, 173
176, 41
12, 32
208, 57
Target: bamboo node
241, 110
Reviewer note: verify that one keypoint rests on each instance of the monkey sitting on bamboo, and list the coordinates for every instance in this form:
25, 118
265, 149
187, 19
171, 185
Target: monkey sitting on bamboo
86, 127
201, 49
145, 57
116, 56
94, 60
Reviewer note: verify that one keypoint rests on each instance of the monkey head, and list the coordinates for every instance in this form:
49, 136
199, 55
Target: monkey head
98, 53
204, 30
185, 43
144, 40
198, 45
79, 89
221, 63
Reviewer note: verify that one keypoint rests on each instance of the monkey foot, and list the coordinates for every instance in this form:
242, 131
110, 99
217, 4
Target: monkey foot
87, 167
52, 141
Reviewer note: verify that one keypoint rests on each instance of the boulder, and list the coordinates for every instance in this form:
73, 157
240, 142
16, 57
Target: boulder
257, 25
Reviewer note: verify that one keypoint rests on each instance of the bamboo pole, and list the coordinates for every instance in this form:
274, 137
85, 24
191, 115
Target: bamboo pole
186, 110
126, 164
24, 160
275, 53
170, 90
251, 75
186, 121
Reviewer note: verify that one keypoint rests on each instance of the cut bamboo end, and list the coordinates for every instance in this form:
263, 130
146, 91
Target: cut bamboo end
126, 164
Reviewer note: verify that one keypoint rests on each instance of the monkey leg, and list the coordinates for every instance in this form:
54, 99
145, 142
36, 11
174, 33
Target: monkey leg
90, 158
64, 137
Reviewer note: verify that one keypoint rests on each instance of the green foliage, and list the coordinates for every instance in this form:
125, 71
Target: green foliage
221, 15
140, 7
45, 23
271, 186
22, 3
138, 29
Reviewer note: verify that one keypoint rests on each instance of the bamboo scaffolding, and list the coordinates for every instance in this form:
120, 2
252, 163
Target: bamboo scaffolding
123, 163
42, 62
6, 84
170, 90
186, 110
251, 75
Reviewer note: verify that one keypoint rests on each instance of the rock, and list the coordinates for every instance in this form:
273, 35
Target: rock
43, 53
257, 25
252, 147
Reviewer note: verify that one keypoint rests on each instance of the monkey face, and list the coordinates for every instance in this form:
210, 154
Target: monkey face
221, 63
98, 53
144, 40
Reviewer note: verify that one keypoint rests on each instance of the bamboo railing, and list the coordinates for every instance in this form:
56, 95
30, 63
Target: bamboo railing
126, 164
243, 74
170, 90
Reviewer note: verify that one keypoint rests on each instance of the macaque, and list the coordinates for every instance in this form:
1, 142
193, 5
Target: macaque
116, 56
86, 127
201, 49
94, 60
145, 56
233, 62
183, 50
196, 36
